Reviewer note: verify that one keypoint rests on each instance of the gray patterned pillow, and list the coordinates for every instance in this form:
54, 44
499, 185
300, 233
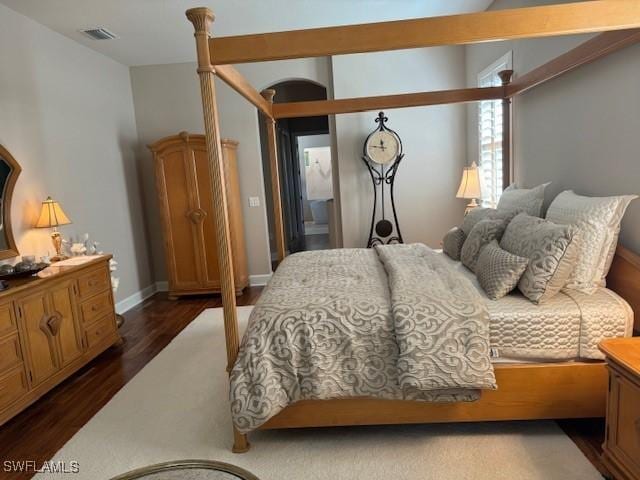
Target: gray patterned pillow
484, 232
452, 242
477, 214
499, 271
527, 200
551, 250
598, 220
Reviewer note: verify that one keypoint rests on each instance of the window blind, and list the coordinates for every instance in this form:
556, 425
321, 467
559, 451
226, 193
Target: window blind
490, 124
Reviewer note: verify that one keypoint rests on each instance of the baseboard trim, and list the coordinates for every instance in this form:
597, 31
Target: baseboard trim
259, 280
137, 298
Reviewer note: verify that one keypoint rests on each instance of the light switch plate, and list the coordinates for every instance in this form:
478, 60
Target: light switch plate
254, 201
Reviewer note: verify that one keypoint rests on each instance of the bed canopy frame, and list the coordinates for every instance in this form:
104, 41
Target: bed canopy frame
529, 391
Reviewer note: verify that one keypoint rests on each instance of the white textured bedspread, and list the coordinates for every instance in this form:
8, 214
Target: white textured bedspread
394, 322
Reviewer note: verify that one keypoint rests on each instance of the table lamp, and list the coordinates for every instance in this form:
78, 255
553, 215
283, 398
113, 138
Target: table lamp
52, 216
470, 186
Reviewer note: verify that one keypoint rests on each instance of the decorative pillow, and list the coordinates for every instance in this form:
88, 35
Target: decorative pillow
598, 221
551, 250
474, 216
499, 271
527, 200
452, 242
484, 232
477, 214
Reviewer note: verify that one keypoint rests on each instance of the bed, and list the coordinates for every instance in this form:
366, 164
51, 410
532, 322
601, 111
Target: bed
346, 323
570, 386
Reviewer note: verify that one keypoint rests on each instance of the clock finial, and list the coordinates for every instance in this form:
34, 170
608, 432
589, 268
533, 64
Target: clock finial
381, 118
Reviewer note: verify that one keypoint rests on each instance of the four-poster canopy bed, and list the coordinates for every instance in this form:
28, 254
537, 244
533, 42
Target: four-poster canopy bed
526, 391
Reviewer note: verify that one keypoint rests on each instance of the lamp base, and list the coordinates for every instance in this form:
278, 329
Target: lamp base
56, 239
471, 205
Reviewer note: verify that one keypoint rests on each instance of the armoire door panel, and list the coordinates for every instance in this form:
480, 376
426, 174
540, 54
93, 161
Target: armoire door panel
236, 223
205, 201
66, 323
39, 339
182, 250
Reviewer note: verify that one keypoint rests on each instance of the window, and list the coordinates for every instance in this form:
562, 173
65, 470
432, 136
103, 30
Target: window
490, 133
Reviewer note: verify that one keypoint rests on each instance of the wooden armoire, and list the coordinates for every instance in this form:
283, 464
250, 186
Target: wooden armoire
185, 199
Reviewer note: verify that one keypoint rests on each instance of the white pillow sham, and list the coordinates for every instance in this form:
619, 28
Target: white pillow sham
598, 221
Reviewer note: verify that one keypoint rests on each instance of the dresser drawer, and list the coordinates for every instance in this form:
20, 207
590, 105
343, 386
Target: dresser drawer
7, 319
12, 387
100, 331
10, 353
95, 281
624, 436
96, 307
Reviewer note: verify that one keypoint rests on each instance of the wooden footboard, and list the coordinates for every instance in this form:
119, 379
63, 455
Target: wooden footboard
526, 392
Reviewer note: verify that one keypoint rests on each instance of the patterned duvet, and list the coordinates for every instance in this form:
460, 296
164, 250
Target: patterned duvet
394, 322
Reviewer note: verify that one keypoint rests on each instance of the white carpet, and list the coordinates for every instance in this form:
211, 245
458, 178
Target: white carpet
176, 408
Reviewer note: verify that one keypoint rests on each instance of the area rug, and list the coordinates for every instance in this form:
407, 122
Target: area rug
177, 408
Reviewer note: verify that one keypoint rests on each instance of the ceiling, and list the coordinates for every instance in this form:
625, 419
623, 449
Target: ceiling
157, 32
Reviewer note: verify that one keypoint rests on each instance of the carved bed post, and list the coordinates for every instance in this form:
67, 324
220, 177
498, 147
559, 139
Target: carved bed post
201, 18
272, 145
505, 77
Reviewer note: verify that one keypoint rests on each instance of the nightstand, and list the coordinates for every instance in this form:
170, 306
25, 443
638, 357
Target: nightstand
621, 449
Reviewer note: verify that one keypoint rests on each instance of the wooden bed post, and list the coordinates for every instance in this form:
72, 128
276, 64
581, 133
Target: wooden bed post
272, 146
201, 18
505, 77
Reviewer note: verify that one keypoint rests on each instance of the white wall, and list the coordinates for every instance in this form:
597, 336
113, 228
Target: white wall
579, 131
433, 140
67, 117
167, 101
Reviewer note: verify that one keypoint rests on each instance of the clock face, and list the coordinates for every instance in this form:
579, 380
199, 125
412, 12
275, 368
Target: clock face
382, 147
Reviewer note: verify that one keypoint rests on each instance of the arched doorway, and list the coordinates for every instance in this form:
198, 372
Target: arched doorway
304, 157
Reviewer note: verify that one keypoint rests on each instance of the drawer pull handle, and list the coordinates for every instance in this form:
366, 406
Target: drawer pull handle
50, 325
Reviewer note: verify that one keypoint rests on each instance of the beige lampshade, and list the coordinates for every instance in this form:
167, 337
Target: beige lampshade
470, 183
51, 215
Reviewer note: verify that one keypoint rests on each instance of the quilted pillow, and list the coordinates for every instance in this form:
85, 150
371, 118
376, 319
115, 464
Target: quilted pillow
484, 232
551, 250
499, 271
598, 220
452, 242
527, 200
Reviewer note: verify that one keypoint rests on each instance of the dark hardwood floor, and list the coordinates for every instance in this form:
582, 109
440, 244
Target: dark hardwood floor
41, 430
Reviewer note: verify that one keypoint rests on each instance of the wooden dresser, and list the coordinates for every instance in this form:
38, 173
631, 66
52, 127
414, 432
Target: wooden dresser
185, 199
621, 449
50, 326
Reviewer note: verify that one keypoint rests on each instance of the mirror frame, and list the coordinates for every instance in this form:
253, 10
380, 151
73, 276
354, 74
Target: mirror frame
11, 250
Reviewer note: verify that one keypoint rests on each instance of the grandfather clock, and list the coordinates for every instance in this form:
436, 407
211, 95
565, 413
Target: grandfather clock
382, 154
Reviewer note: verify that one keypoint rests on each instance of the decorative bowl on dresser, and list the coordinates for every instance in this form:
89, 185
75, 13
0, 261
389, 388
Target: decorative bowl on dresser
51, 325
621, 449
185, 200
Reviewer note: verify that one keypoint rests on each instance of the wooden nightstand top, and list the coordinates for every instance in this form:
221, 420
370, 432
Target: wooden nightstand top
623, 351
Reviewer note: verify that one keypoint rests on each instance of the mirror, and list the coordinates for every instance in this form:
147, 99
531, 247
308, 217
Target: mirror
9, 172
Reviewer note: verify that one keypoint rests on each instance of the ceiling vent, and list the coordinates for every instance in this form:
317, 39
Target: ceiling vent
99, 33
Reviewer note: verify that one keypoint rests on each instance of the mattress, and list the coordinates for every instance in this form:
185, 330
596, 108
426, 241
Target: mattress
567, 327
